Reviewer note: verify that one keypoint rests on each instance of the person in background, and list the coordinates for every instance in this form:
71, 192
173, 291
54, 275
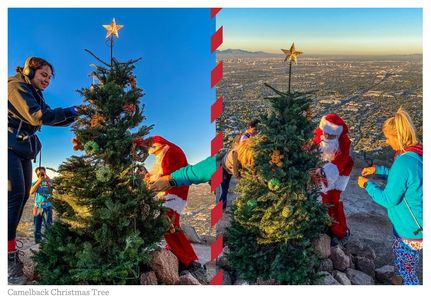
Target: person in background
402, 195
27, 112
231, 159
42, 210
251, 130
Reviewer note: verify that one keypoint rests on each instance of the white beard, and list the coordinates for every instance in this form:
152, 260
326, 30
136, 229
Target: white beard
328, 148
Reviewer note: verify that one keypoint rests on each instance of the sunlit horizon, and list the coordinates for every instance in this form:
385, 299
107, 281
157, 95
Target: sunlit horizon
324, 31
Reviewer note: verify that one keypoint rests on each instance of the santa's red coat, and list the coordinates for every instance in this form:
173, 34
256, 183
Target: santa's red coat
175, 199
173, 159
338, 170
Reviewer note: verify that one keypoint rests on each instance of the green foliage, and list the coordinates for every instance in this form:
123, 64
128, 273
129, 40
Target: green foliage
108, 222
276, 213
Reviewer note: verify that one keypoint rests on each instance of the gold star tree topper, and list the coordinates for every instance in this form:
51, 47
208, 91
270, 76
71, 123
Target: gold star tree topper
292, 54
112, 29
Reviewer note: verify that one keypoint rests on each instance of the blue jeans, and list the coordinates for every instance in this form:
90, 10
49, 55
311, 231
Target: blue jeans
19, 184
46, 219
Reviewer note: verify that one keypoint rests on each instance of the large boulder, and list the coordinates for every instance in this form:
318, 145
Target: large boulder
165, 265
340, 259
322, 246
326, 279
358, 277
353, 246
326, 265
148, 278
365, 265
357, 248
342, 278
385, 274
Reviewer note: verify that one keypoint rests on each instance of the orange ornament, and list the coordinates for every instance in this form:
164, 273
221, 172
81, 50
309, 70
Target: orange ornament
132, 80
96, 120
276, 158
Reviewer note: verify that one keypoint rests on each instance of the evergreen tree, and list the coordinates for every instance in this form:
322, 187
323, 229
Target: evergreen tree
276, 215
108, 222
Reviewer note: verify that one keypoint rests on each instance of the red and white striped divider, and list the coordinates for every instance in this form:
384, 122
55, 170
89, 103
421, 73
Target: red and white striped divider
216, 145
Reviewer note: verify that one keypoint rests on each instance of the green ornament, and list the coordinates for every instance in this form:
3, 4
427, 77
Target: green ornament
274, 184
91, 147
104, 174
251, 204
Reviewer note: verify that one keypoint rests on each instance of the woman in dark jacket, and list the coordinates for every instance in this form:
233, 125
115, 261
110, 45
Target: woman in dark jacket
27, 112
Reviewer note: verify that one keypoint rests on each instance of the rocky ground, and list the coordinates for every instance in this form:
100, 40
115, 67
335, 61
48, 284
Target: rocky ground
367, 221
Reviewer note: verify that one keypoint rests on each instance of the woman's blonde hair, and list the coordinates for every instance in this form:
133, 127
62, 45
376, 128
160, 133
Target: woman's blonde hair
245, 153
402, 126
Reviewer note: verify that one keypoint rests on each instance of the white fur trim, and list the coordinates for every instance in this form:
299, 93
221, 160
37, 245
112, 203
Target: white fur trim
331, 172
330, 128
324, 189
175, 203
341, 183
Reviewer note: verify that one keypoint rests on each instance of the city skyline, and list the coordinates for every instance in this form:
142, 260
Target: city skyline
324, 31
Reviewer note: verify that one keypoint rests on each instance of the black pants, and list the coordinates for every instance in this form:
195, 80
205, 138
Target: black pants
225, 187
19, 184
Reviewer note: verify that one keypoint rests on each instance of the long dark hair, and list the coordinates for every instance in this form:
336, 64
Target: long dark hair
36, 63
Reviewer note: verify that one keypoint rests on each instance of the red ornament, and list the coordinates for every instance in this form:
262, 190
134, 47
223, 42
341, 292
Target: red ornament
76, 144
129, 108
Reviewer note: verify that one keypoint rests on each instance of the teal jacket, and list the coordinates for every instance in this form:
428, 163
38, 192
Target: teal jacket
404, 183
194, 174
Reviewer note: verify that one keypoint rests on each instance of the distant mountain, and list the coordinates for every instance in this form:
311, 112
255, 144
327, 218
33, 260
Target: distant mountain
240, 52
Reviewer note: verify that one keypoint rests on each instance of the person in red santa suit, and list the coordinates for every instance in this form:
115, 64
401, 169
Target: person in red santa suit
169, 158
334, 143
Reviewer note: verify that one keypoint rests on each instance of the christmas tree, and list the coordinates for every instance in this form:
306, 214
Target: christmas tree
108, 222
276, 215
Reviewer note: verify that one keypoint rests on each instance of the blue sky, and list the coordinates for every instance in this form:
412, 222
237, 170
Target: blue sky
174, 72
361, 31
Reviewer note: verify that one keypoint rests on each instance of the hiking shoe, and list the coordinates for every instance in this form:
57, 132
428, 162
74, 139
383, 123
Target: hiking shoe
15, 275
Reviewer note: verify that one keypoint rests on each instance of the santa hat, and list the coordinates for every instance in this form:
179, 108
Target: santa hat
333, 124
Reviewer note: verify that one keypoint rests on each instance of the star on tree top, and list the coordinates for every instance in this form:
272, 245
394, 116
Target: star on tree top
291, 54
113, 28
